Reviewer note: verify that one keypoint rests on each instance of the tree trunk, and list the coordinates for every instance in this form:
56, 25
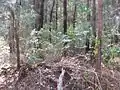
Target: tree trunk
56, 14
17, 26
11, 38
36, 8
88, 6
11, 32
100, 28
87, 35
39, 8
74, 14
94, 18
93, 25
46, 11
50, 38
65, 21
41, 15
65, 17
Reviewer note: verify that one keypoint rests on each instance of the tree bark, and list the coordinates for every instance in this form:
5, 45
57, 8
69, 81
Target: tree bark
94, 18
56, 14
88, 6
41, 15
39, 21
46, 12
65, 22
93, 26
11, 38
11, 31
74, 14
100, 29
65, 16
50, 38
17, 26
87, 35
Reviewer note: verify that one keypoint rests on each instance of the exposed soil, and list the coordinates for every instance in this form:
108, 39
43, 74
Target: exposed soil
79, 75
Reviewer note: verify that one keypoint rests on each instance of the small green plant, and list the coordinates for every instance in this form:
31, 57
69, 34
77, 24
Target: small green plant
110, 53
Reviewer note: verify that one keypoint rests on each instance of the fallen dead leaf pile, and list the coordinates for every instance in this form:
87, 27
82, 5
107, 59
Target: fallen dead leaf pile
79, 75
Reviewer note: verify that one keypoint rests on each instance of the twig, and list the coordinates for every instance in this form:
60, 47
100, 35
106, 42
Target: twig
60, 81
100, 88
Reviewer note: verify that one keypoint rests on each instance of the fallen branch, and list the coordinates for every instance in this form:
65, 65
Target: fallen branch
60, 81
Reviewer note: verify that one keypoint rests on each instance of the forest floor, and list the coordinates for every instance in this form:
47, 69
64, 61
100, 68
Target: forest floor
70, 73
4, 54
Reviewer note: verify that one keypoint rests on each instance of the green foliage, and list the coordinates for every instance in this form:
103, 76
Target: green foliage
58, 38
71, 33
76, 36
110, 53
83, 8
83, 11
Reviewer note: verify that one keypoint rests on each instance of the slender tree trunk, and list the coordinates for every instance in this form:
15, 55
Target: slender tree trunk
46, 10
11, 38
100, 28
74, 14
11, 31
116, 37
36, 7
41, 20
87, 35
56, 14
88, 6
93, 26
94, 18
50, 38
39, 8
87, 43
72, 46
41, 14
17, 26
65, 16
65, 22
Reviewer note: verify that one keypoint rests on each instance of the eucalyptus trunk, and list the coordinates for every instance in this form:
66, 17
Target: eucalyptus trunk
100, 29
17, 27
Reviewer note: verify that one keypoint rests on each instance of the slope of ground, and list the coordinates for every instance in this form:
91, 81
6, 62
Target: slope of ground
68, 73
72, 73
